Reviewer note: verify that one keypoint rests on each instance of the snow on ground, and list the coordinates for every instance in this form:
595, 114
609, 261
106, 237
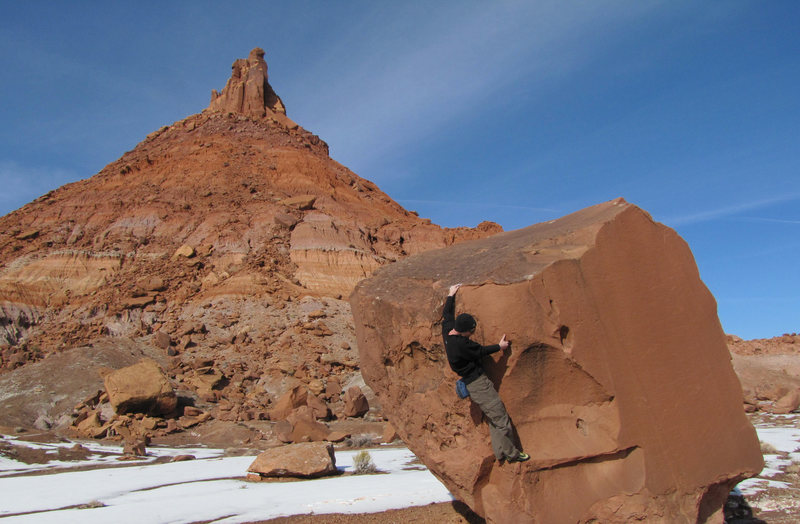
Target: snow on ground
783, 434
212, 487
104, 454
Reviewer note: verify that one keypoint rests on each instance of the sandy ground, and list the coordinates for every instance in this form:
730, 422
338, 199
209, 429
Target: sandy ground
452, 513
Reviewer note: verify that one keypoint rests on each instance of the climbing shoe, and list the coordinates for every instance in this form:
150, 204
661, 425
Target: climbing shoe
522, 457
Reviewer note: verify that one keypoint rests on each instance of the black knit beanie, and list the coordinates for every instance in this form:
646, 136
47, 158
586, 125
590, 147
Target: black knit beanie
465, 322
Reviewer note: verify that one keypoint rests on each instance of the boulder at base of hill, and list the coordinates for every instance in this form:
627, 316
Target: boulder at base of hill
135, 448
355, 403
302, 426
141, 388
389, 434
289, 401
618, 380
787, 403
306, 460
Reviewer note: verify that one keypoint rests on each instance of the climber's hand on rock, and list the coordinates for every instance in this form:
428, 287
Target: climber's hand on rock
454, 289
504, 343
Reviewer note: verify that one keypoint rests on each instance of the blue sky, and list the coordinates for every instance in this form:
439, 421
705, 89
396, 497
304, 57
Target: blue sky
516, 112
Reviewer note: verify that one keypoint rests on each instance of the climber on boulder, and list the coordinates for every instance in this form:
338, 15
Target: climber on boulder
464, 356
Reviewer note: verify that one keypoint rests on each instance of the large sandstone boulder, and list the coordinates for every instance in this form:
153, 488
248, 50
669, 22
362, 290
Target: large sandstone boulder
618, 379
355, 402
302, 426
291, 400
306, 460
141, 388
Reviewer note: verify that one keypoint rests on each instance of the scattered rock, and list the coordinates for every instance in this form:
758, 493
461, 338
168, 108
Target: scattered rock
302, 202
305, 427
286, 220
28, 234
151, 283
92, 426
318, 407
292, 399
136, 448
787, 403
185, 251
191, 411
141, 388
304, 460
333, 388
316, 387
43, 422
162, 340
193, 420
137, 302
206, 382
389, 434
355, 403
337, 436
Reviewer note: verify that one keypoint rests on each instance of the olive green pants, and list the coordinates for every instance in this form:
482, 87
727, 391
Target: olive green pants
482, 392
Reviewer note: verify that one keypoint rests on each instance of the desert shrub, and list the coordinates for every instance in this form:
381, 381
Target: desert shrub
793, 468
768, 449
362, 463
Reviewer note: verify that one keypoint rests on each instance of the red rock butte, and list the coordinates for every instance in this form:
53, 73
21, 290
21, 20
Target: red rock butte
618, 381
248, 91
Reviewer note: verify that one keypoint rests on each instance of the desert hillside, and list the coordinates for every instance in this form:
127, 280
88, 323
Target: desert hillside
223, 246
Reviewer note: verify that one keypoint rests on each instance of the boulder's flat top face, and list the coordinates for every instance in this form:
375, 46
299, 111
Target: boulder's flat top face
507, 257
618, 379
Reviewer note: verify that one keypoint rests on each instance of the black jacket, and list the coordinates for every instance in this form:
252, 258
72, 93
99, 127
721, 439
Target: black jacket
463, 354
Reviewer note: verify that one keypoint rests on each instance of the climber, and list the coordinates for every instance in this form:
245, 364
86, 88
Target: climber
464, 356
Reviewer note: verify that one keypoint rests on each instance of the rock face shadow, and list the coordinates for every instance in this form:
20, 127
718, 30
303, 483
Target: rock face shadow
470, 516
560, 412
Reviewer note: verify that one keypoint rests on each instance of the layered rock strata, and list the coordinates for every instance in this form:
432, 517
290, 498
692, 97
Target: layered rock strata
618, 380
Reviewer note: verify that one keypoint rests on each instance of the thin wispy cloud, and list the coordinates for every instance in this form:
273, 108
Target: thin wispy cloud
766, 219
441, 74
728, 211
488, 205
792, 299
780, 249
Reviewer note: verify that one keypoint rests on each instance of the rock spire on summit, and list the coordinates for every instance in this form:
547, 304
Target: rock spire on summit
248, 91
